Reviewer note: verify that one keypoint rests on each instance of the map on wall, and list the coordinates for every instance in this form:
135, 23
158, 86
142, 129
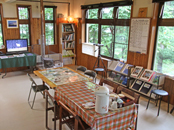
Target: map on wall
139, 34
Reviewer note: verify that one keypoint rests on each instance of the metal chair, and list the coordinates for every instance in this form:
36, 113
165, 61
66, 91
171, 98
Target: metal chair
91, 73
81, 68
172, 110
159, 93
36, 88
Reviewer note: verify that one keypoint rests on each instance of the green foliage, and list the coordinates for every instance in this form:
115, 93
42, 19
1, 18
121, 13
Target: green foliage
24, 32
92, 13
92, 33
1, 37
48, 13
165, 49
23, 12
49, 27
124, 12
107, 13
168, 10
49, 33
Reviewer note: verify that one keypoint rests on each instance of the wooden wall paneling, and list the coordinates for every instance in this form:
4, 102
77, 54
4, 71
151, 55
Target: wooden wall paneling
169, 87
35, 30
10, 33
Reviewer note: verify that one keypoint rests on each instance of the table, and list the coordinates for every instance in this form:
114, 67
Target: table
55, 77
76, 94
28, 60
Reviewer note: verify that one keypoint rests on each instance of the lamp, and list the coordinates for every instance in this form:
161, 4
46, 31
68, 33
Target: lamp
69, 19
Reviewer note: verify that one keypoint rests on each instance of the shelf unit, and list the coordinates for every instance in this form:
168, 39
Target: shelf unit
67, 42
147, 86
119, 77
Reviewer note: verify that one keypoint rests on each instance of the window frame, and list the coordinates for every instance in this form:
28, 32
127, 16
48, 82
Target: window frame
1, 21
115, 22
51, 21
25, 21
160, 22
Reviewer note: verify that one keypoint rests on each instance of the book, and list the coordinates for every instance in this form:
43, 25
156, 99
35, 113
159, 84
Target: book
119, 66
145, 88
125, 68
124, 81
147, 75
112, 74
121, 79
136, 72
112, 65
137, 84
117, 77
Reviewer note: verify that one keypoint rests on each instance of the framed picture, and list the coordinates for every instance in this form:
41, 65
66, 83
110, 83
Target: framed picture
12, 23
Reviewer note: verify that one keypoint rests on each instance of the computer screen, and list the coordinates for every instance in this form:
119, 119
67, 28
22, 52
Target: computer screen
16, 45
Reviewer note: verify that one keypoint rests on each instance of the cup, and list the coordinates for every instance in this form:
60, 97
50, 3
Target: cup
114, 105
110, 102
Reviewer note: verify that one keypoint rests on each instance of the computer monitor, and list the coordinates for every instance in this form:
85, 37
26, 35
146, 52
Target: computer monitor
16, 45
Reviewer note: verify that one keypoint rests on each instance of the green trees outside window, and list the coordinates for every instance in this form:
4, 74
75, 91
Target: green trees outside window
23, 12
1, 37
164, 54
24, 32
111, 29
92, 33
24, 22
49, 25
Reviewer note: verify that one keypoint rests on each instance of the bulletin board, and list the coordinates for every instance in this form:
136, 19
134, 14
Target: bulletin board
139, 35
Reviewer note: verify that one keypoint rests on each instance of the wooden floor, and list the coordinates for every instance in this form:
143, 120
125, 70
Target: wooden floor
15, 113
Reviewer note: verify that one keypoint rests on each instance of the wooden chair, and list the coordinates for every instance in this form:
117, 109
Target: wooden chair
110, 83
36, 88
132, 94
129, 92
55, 109
74, 123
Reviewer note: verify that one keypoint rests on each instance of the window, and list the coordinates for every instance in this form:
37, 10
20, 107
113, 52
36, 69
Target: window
24, 22
164, 53
111, 29
49, 25
1, 34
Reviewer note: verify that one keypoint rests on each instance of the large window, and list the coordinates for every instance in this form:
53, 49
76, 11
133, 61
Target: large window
24, 22
109, 26
164, 53
50, 25
1, 34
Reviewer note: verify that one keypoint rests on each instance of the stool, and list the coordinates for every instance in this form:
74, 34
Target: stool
160, 93
172, 110
100, 70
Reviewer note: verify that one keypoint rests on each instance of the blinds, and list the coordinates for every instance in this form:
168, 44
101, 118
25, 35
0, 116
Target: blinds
109, 4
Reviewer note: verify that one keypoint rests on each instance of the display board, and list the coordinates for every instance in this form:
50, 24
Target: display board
90, 49
139, 34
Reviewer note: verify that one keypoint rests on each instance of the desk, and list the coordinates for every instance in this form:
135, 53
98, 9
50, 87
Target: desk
74, 95
27, 60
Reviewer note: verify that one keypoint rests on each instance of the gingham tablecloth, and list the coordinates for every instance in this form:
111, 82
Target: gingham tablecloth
76, 94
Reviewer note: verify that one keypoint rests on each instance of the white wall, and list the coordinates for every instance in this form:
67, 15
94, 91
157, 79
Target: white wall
10, 11
136, 5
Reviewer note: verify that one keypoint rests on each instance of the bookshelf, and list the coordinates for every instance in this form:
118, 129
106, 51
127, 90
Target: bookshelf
119, 72
146, 81
67, 42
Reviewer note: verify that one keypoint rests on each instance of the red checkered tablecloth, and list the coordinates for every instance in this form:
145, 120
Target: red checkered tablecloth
76, 94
